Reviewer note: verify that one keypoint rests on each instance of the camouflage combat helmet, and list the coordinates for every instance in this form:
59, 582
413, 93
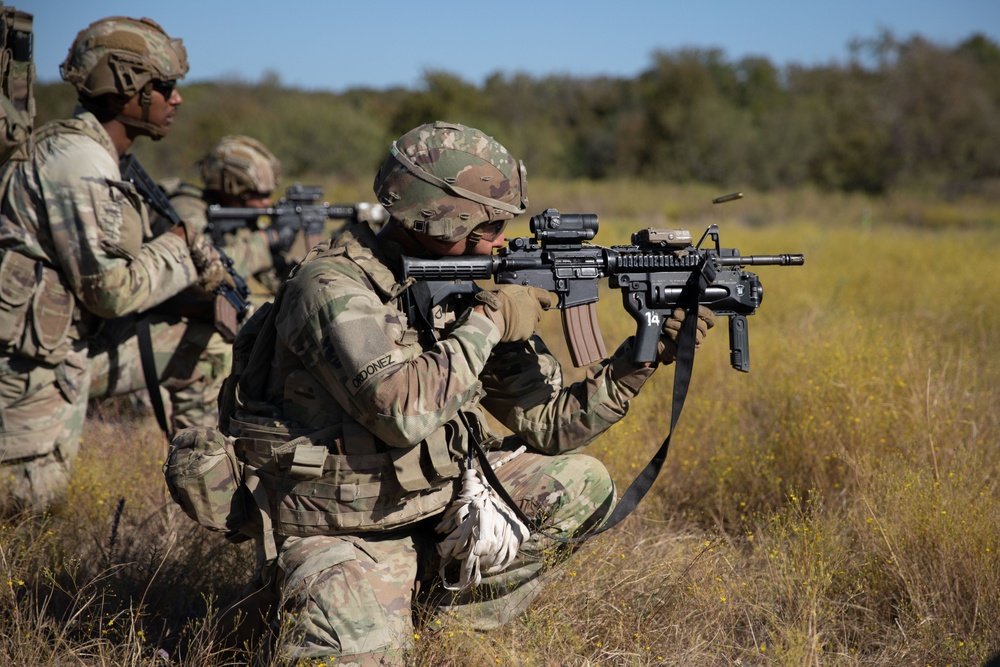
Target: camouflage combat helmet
446, 179
240, 165
123, 56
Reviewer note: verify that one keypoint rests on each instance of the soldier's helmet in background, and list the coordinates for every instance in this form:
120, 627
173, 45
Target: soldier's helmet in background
445, 179
240, 165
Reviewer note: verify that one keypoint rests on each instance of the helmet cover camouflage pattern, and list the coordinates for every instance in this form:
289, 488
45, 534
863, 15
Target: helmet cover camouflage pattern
240, 165
121, 55
446, 179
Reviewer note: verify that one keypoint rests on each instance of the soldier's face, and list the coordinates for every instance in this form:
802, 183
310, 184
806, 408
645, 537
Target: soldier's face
256, 200
164, 102
484, 246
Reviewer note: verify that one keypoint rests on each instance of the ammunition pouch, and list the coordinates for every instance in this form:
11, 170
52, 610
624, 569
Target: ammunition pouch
36, 309
206, 480
313, 488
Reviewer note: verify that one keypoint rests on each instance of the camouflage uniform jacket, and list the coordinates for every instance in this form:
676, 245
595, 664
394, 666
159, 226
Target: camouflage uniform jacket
67, 208
346, 359
248, 250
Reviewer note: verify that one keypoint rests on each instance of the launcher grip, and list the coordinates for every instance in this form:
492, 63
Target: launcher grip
739, 343
583, 334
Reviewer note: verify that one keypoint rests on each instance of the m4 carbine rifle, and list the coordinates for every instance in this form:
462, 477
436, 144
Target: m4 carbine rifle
660, 271
301, 209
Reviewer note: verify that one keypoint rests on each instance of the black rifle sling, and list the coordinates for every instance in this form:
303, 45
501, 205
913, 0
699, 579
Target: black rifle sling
640, 486
148, 362
133, 171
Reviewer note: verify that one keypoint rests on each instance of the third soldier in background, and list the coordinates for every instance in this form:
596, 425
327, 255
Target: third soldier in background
239, 172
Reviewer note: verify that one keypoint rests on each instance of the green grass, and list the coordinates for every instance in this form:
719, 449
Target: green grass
838, 505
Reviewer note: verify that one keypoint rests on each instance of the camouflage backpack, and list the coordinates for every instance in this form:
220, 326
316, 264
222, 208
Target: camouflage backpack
17, 78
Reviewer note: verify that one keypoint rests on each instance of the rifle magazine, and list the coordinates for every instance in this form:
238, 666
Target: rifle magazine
226, 318
583, 334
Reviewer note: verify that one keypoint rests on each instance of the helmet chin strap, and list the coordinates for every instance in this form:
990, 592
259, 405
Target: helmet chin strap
470, 244
155, 132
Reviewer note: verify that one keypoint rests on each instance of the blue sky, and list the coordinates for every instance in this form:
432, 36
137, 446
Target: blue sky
335, 45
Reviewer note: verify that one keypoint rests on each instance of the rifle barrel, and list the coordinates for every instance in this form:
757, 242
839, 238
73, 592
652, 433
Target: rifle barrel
762, 260
331, 211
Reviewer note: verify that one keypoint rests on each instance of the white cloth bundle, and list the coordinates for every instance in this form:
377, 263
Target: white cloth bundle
481, 531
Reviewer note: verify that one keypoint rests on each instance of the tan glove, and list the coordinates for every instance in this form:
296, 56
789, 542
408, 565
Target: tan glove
212, 272
515, 309
666, 348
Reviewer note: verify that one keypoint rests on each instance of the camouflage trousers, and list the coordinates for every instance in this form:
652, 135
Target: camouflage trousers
43, 408
353, 596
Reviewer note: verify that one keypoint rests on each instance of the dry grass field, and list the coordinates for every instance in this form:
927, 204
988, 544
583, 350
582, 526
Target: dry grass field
839, 505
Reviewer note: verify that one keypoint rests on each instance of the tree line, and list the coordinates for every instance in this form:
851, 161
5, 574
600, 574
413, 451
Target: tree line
895, 114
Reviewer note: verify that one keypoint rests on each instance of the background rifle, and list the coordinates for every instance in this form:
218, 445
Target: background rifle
660, 271
232, 301
301, 209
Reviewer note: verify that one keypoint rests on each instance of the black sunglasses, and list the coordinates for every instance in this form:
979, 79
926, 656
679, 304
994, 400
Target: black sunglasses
165, 88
